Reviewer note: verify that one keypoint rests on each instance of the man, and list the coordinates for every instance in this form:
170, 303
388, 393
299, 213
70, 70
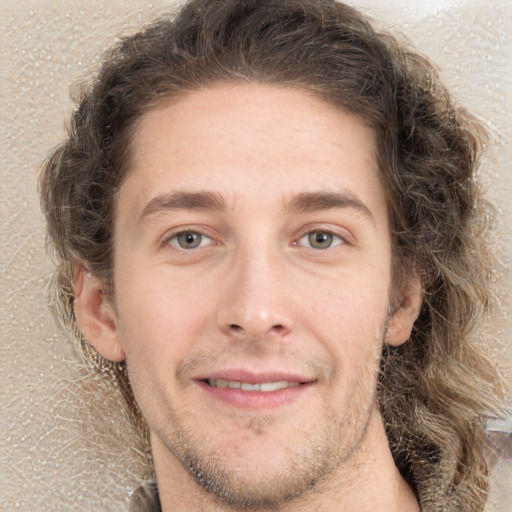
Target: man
267, 225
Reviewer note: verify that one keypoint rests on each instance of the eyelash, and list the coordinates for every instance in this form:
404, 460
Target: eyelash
335, 238
174, 237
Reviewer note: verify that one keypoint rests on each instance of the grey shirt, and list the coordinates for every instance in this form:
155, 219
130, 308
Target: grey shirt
145, 498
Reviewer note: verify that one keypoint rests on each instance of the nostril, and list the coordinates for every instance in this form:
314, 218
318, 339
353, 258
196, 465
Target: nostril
255, 330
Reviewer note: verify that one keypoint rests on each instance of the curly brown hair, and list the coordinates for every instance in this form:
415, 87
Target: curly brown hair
436, 390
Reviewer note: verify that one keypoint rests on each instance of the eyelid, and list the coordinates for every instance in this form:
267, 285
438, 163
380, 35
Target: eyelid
338, 232
175, 232
335, 241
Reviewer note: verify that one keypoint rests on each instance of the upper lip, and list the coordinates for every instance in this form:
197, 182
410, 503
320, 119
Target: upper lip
254, 377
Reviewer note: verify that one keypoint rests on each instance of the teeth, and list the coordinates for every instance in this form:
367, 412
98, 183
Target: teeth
246, 386
249, 387
221, 383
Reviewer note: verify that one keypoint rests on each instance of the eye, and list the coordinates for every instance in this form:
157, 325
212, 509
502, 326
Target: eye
189, 240
319, 239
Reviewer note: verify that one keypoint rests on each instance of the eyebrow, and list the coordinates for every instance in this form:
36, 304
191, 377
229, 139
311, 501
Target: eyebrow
313, 201
182, 201
301, 203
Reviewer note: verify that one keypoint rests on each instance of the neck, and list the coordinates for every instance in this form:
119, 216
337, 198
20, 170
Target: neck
368, 481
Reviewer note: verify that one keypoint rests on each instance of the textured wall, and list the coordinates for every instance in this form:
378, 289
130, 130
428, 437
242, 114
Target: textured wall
57, 456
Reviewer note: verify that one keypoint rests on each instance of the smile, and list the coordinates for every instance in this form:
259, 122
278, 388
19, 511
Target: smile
255, 386
255, 390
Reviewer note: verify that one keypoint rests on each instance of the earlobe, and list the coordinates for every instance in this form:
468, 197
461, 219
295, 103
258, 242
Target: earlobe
96, 316
406, 312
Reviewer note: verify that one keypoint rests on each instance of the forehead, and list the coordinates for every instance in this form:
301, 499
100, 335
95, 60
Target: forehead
252, 141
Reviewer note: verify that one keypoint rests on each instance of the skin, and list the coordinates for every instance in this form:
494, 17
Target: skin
226, 266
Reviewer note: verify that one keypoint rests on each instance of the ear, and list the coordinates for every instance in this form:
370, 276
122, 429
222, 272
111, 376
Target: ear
95, 314
406, 312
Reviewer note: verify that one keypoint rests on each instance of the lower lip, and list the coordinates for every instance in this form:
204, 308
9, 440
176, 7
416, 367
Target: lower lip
255, 399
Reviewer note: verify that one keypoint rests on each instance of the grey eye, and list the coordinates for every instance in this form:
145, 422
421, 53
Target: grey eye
189, 240
320, 239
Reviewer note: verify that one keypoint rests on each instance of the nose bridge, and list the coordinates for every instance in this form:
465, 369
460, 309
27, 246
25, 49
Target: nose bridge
254, 302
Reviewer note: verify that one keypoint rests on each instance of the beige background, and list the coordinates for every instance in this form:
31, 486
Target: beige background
56, 454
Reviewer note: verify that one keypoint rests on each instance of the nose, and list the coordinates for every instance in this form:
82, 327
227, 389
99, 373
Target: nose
254, 303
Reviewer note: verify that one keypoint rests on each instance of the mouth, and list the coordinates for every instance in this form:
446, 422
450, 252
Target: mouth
252, 391
264, 387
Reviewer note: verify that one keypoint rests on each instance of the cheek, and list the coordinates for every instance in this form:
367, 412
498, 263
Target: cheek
350, 320
158, 325
160, 319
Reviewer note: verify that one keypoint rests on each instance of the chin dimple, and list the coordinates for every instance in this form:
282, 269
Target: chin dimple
255, 386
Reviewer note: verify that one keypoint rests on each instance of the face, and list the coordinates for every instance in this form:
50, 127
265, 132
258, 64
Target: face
252, 277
